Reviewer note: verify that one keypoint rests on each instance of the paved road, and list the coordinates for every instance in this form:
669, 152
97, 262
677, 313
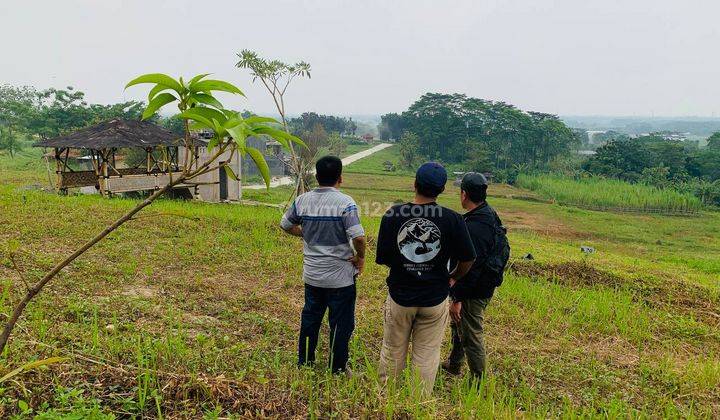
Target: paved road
288, 180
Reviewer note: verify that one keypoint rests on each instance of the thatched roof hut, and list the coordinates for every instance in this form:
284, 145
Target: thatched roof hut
100, 142
115, 133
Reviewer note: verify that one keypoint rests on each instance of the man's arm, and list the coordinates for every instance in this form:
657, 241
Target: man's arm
354, 230
464, 252
462, 268
291, 221
383, 245
358, 260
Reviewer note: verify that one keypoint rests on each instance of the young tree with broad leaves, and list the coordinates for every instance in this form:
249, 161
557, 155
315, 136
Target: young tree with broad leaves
200, 110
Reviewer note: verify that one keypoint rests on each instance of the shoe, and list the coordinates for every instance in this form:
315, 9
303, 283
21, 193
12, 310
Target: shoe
451, 369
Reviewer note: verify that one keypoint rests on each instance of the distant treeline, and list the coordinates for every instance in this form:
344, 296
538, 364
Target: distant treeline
662, 163
330, 123
481, 135
28, 113
637, 125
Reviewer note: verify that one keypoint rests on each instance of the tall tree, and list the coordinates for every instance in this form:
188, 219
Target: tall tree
713, 142
448, 126
9, 141
17, 108
409, 150
276, 76
391, 126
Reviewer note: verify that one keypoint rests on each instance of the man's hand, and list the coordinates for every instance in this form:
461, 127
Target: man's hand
359, 263
358, 260
455, 308
452, 282
295, 230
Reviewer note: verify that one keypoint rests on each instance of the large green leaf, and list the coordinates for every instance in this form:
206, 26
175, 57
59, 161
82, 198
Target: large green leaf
257, 119
207, 113
197, 78
155, 90
206, 99
212, 144
158, 102
238, 134
196, 125
211, 85
278, 134
230, 173
159, 78
191, 115
261, 164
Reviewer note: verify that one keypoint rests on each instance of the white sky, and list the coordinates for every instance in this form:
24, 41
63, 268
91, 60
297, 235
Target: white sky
573, 57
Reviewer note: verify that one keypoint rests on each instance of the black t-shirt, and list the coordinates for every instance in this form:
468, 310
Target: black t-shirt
416, 241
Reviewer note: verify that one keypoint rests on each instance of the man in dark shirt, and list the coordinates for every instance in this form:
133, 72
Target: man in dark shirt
471, 295
417, 240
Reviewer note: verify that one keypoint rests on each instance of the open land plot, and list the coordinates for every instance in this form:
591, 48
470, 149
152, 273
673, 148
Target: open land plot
193, 309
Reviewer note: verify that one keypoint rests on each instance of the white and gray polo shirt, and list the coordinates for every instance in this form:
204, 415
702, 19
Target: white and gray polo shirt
329, 220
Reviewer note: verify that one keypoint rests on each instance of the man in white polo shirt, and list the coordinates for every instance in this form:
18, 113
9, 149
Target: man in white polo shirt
334, 253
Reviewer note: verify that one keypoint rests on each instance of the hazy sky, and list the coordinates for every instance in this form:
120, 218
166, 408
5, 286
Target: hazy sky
573, 57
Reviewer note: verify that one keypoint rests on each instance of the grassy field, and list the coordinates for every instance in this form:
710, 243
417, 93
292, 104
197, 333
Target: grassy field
192, 310
375, 163
609, 194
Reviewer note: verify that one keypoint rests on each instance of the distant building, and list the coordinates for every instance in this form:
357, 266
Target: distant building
673, 135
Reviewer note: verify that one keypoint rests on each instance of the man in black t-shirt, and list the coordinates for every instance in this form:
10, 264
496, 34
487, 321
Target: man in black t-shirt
471, 296
416, 240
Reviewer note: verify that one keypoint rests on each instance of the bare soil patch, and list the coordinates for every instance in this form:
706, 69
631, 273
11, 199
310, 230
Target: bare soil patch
522, 221
146, 292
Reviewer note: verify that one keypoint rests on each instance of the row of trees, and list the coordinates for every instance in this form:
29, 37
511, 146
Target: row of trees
330, 123
663, 163
481, 134
634, 159
28, 113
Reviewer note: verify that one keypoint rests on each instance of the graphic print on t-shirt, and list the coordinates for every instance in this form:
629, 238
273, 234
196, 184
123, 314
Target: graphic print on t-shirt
419, 240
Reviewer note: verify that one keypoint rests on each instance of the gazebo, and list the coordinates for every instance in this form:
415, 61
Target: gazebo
101, 142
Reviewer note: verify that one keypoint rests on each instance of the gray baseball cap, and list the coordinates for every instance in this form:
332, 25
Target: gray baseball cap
473, 181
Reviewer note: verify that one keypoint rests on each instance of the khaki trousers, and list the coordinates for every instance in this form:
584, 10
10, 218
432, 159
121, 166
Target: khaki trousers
425, 326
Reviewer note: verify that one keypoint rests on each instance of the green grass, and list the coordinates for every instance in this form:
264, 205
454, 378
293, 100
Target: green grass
26, 168
609, 194
192, 310
375, 163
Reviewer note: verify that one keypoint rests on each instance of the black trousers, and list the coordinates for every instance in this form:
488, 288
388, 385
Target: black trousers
341, 304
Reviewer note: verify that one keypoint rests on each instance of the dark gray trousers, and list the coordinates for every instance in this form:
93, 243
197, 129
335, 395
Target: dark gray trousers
467, 337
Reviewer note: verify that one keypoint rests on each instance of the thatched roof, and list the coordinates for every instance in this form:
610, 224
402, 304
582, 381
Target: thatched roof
115, 133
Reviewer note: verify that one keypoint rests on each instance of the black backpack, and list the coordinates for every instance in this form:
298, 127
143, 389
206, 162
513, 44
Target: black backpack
499, 254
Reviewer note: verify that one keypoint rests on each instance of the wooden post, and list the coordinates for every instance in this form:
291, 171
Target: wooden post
103, 175
58, 168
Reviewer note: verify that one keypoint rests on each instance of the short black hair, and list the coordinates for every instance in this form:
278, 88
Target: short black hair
328, 170
476, 194
429, 191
